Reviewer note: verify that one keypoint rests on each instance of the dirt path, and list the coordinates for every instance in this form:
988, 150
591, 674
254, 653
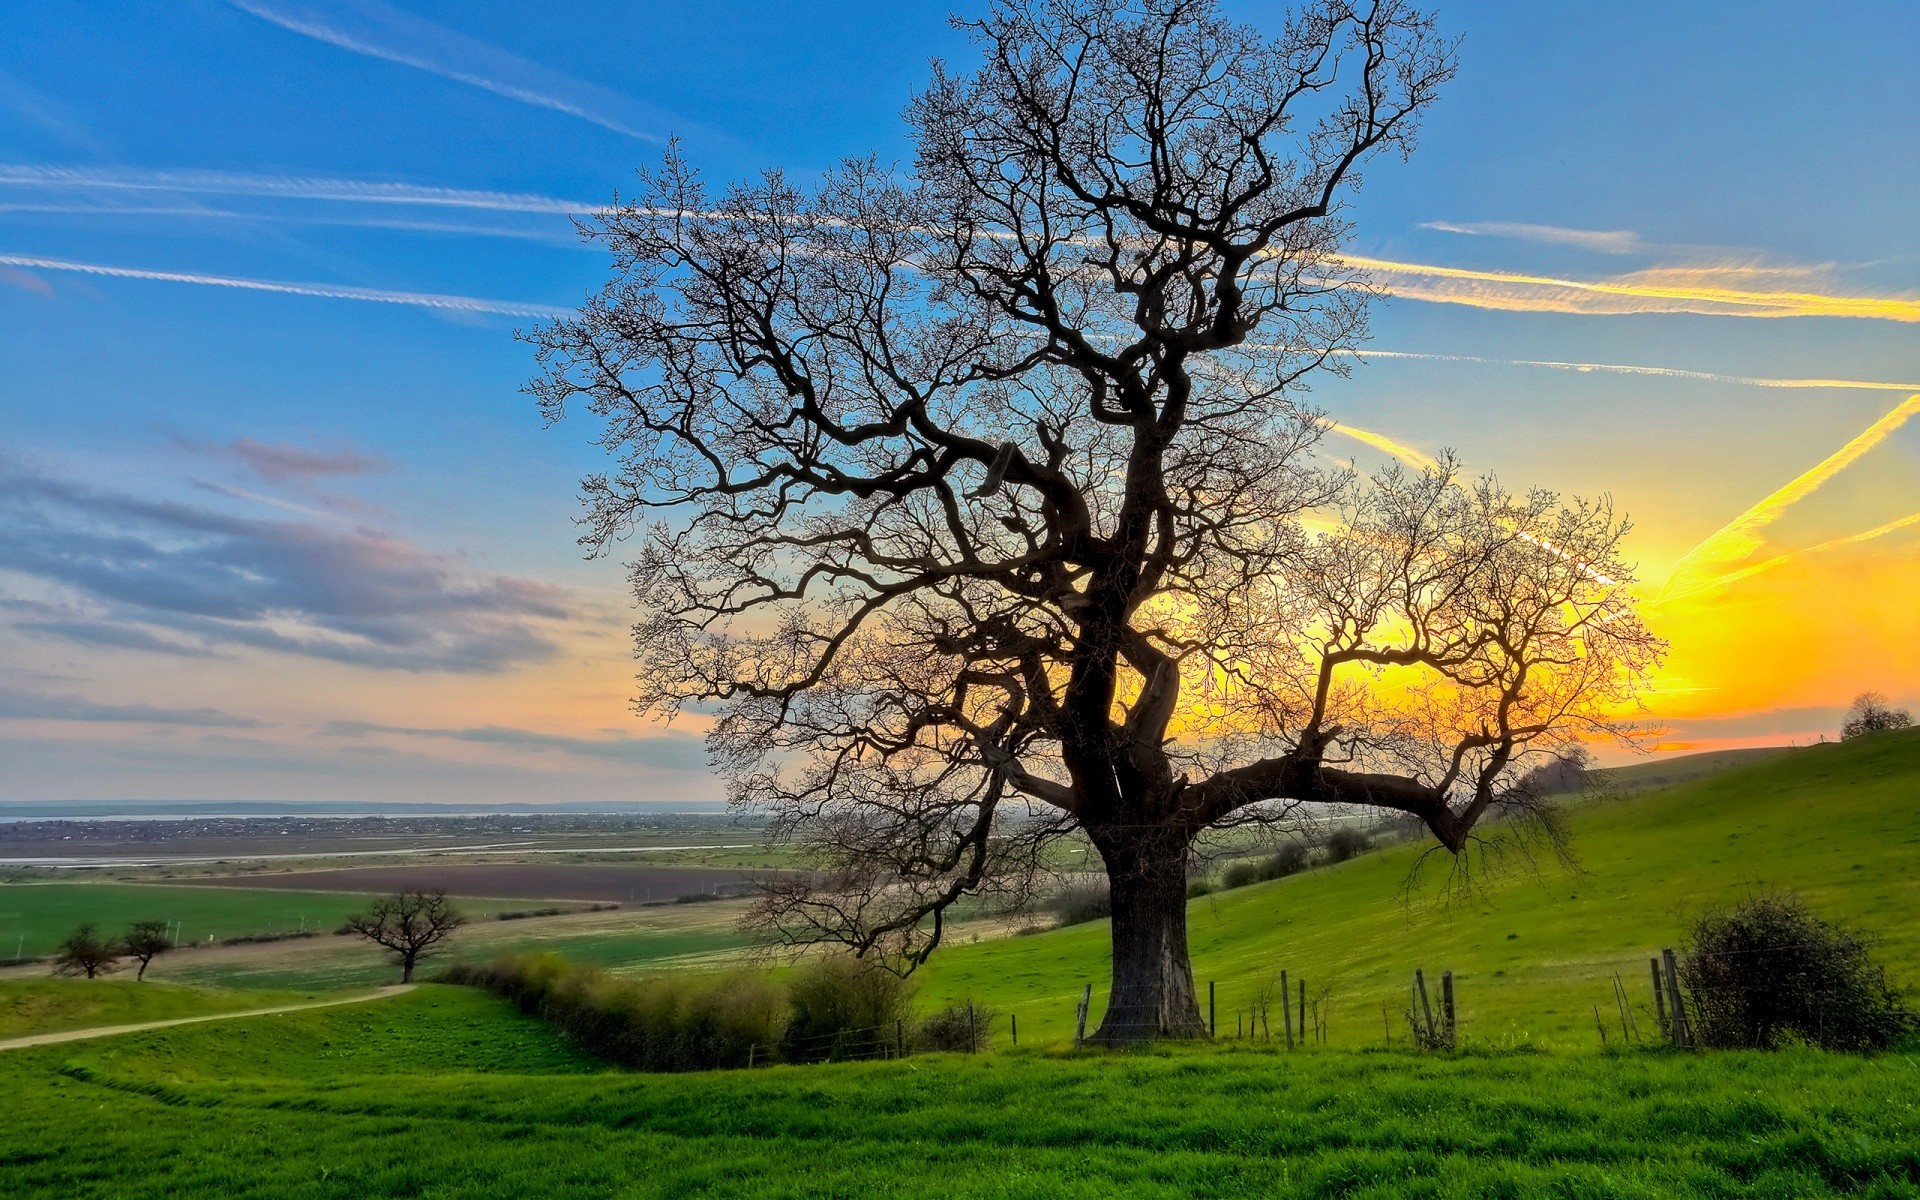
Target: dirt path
75, 1035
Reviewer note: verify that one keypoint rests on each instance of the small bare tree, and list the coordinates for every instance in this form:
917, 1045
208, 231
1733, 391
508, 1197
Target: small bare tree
1871, 712
409, 924
980, 505
85, 952
146, 941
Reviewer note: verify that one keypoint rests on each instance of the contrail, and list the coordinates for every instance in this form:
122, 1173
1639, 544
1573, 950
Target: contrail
1630, 369
1740, 537
1719, 581
1380, 441
330, 291
1677, 290
378, 31
297, 187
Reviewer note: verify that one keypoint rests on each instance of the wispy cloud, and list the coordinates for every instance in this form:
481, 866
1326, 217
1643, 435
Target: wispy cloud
667, 751
25, 706
1606, 241
380, 31
1707, 563
279, 462
292, 187
197, 580
1729, 291
469, 304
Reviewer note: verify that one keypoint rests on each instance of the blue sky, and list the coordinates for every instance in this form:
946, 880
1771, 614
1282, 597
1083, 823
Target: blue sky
281, 525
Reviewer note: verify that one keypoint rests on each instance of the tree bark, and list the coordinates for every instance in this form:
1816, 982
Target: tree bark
1152, 992
406, 969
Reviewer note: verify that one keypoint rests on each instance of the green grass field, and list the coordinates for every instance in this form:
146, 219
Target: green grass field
1532, 954
35, 916
445, 1093
30, 1006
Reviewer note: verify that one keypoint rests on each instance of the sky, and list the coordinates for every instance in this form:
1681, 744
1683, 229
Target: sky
276, 521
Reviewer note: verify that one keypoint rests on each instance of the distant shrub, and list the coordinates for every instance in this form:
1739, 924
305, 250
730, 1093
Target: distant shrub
843, 1007
1871, 713
1082, 902
1771, 968
667, 1023
965, 1027
1346, 843
1201, 885
291, 935
1290, 859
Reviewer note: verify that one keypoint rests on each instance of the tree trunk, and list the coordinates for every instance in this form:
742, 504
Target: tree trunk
406, 969
142, 972
1152, 994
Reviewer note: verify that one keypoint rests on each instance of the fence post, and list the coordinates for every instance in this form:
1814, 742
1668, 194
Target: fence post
1659, 998
1286, 1009
1212, 1029
750, 1049
973, 1031
1080, 1021
899, 1037
1446, 1004
1303, 1011
1682, 1031
1014, 1020
1426, 1009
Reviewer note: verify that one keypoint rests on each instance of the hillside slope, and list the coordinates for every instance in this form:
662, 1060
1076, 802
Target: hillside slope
445, 1093
1532, 953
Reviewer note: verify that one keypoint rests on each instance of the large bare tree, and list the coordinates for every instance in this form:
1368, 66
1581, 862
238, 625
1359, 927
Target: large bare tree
978, 504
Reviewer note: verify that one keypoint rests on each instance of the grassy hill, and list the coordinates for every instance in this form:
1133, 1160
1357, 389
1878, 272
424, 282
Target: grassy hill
444, 1093
1532, 953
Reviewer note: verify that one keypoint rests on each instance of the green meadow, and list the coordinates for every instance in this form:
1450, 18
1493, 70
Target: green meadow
1532, 949
445, 1093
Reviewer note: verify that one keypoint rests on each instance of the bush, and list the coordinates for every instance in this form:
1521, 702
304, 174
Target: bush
1082, 902
1770, 968
1200, 885
668, 1023
966, 1027
1290, 859
843, 1008
1346, 843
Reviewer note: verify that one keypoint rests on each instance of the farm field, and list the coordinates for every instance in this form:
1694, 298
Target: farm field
616, 882
35, 916
31, 1006
445, 1092
656, 937
1533, 953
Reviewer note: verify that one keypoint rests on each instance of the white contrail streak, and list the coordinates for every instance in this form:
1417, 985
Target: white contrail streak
379, 31
1629, 369
295, 187
327, 290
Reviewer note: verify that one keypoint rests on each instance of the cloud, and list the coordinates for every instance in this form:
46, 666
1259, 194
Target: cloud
26, 280
1780, 560
329, 291
663, 751
282, 463
379, 31
1606, 241
1727, 291
291, 187
1737, 540
24, 706
123, 637
199, 580
1783, 722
